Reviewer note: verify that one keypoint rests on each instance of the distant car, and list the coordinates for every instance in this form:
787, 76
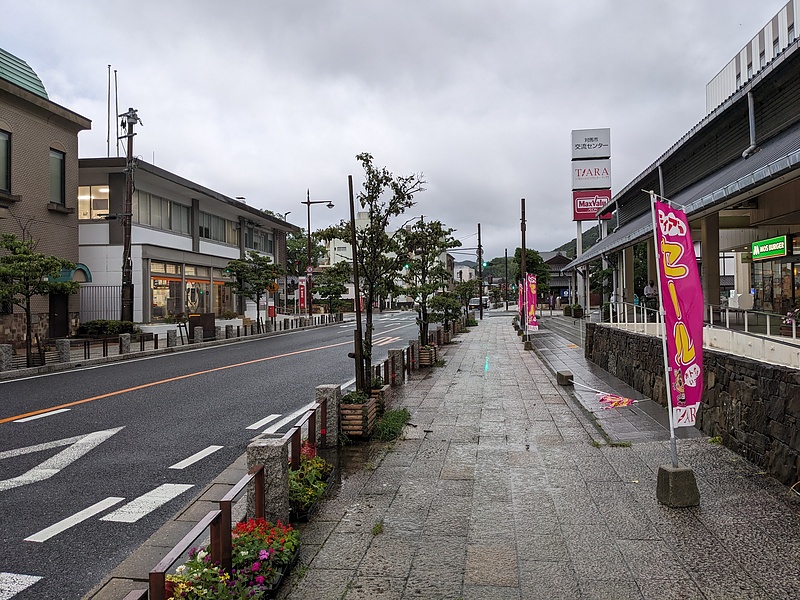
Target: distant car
475, 303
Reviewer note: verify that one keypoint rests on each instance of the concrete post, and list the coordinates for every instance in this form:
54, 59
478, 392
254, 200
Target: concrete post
172, 338
709, 249
414, 344
219, 332
124, 343
396, 360
229, 332
333, 394
63, 350
627, 275
197, 336
273, 453
6, 352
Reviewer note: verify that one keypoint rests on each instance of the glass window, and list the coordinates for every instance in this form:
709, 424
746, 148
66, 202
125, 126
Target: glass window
57, 176
791, 33
157, 267
5, 162
92, 201
762, 59
749, 70
738, 80
776, 47
167, 300
144, 208
155, 212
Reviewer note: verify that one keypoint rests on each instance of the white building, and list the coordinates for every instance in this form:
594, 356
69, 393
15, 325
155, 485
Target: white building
182, 237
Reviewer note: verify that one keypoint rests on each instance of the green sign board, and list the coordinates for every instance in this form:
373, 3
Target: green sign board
771, 248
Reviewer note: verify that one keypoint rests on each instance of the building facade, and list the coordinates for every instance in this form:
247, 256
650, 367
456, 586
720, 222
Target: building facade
38, 184
182, 237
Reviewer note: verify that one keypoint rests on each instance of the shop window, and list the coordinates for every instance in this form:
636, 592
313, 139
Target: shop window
57, 177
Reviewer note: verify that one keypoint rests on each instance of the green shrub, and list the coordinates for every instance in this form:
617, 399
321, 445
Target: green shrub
391, 425
102, 328
355, 397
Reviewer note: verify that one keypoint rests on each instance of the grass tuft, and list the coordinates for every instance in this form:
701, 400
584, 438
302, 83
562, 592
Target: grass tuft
391, 425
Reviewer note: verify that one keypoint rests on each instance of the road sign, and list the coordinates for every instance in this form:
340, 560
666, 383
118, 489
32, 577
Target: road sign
309, 269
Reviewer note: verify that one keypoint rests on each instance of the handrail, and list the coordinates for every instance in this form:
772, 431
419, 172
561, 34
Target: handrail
256, 475
158, 575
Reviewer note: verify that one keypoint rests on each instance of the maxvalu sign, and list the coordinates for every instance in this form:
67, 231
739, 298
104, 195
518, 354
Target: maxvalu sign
771, 248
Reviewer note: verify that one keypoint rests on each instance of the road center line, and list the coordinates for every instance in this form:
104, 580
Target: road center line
170, 380
42, 416
273, 428
78, 517
262, 422
196, 457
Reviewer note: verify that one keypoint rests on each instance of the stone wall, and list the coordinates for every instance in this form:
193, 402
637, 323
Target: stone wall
753, 406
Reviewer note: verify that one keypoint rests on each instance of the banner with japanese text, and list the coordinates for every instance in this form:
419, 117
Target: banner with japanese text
682, 301
301, 289
530, 301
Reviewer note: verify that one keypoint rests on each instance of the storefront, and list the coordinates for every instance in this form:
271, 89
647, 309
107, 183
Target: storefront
776, 274
184, 288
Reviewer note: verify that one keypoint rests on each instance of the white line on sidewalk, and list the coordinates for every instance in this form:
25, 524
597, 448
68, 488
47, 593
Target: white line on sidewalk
41, 416
289, 419
146, 503
196, 457
78, 517
12, 584
262, 422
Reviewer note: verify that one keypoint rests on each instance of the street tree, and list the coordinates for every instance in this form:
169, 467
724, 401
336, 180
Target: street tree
534, 263
297, 253
445, 308
24, 274
331, 283
425, 246
254, 276
383, 197
466, 290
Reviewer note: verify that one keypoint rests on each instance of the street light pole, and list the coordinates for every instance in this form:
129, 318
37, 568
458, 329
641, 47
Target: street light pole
308, 204
286, 278
129, 119
480, 273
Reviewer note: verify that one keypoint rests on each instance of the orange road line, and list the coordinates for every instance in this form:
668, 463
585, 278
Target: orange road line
171, 379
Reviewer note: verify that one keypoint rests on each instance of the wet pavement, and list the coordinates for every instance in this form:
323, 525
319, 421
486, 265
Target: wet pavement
506, 485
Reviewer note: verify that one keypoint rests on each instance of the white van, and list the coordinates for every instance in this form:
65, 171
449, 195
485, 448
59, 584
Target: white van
474, 303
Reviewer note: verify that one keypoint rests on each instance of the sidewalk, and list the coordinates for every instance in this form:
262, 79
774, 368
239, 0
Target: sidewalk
508, 486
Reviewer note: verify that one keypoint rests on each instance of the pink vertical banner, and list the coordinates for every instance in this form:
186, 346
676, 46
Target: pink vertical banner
682, 300
530, 301
520, 302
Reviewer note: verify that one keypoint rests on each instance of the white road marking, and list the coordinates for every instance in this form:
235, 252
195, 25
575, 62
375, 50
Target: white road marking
262, 422
42, 416
12, 584
78, 517
385, 341
289, 419
78, 446
196, 457
146, 503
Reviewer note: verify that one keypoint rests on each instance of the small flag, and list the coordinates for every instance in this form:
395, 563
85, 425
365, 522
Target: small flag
614, 401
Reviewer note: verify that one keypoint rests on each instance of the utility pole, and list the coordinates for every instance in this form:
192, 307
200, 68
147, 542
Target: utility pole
480, 273
358, 353
506, 289
129, 119
523, 272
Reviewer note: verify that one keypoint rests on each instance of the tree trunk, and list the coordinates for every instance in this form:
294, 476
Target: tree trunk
423, 326
28, 333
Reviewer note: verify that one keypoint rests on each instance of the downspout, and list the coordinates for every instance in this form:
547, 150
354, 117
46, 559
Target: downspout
751, 111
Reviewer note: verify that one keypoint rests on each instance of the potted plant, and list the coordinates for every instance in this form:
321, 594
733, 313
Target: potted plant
357, 414
382, 394
308, 483
577, 311
788, 322
427, 356
567, 310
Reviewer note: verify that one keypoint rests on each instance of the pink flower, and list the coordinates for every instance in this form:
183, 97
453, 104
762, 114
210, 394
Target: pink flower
263, 555
256, 566
260, 579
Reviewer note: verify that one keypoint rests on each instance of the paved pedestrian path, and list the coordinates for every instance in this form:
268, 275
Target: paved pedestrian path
508, 486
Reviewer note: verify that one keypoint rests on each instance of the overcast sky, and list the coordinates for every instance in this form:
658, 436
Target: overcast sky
268, 98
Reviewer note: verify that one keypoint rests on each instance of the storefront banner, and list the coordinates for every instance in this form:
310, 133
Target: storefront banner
682, 300
521, 304
531, 292
301, 288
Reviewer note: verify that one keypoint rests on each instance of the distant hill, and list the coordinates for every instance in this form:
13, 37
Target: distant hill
590, 237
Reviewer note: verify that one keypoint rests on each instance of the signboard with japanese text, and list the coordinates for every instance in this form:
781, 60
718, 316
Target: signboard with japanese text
301, 288
587, 203
682, 302
591, 174
591, 143
531, 292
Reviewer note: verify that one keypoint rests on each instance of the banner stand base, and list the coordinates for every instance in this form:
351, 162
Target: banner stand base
677, 487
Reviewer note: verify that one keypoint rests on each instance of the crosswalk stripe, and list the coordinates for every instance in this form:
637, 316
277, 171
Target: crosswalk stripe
80, 516
289, 419
262, 422
196, 457
12, 584
146, 503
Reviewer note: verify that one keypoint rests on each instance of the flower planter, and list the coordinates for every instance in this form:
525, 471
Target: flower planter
427, 356
382, 396
567, 311
787, 330
299, 514
577, 313
358, 420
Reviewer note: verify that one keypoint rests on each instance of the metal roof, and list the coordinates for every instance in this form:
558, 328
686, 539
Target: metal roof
17, 71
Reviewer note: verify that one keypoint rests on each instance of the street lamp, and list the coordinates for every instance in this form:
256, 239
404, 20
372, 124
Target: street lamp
308, 204
286, 278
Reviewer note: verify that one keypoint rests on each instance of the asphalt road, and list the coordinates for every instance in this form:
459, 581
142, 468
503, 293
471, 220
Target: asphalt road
94, 460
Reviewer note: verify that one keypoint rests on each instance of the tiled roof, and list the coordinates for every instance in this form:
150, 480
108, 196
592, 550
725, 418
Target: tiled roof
18, 72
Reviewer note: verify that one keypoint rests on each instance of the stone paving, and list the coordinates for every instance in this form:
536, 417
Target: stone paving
508, 486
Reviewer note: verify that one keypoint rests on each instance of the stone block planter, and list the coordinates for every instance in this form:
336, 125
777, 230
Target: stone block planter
577, 313
567, 311
358, 420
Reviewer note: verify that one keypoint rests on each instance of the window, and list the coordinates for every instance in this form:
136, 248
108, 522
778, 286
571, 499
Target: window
258, 240
218, 229
57, 176
776, 47
762, 59
154, 211
5, 162
738, 80
791, 33
749, 70
92, 201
